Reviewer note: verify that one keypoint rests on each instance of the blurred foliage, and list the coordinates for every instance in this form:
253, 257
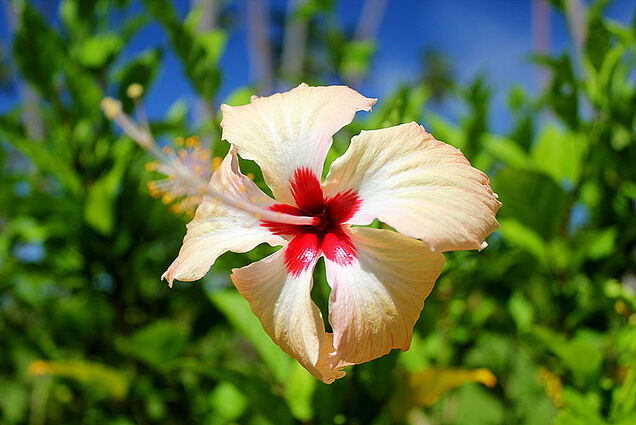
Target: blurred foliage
539, 328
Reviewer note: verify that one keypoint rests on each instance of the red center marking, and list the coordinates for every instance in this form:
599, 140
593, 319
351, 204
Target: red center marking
327, 234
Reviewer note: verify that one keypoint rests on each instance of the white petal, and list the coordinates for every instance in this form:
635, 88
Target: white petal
282, 302
376, 300
422, 187
291, 130
217, 228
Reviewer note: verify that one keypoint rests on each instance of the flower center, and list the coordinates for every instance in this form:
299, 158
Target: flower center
327, 235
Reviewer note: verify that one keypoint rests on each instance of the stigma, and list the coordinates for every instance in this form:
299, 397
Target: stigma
327, 235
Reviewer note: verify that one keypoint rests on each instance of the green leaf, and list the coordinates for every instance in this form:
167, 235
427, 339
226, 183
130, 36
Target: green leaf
578, 355
531, 198
445, 131
403, 106
299, 391
228, 401
505, 150
259, 393
240, 96
95, 51
213, 42
624, 397
521, 310
38, 50
520, 236
601, 243
14, 401
598, 40
478, 407
356, 58
580, 409
559, 153
238, 312
159, 342
42, 156
563, 91
85, 91
99, 210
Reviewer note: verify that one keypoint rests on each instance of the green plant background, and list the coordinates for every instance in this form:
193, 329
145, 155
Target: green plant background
88, 333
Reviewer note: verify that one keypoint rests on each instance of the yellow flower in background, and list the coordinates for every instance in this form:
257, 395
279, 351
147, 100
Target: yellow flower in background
423, 188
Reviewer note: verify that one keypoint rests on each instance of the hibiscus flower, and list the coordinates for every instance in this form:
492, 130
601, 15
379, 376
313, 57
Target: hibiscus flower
423, 188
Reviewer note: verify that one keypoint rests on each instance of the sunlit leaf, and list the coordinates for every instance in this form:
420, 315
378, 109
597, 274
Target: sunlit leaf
95, 51
558, 153
228, 401
521, 310
101, 377
506, 150
299, 391
425, 388
356, 58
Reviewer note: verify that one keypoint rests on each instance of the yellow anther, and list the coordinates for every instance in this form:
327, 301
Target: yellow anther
111, 107
178, 141
216, 162
152, 188
190, 214
135, 91
205, 155
152, 166
192, 141
176, 208
168, 150
166, 199
250, 176
242, 188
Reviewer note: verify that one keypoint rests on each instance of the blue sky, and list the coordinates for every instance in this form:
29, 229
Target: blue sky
489, 36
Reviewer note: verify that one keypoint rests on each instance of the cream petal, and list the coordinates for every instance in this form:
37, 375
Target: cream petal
217, 228
282, 302
291, 130
376, 300
422, 187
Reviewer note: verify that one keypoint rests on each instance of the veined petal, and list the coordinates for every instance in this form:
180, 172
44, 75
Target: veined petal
282, 302
422, 187
290, 131
376, 299
217, 228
